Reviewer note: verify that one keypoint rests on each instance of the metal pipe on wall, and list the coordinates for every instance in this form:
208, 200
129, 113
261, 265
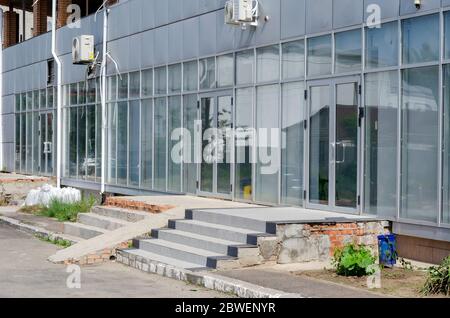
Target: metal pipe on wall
58, 98
103, 94
1, 89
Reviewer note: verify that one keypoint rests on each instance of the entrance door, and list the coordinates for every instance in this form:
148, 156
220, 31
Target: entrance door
334, 141
46, 143
216, 116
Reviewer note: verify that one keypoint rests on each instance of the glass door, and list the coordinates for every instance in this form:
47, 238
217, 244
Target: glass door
216, 116
334, 145
46, 143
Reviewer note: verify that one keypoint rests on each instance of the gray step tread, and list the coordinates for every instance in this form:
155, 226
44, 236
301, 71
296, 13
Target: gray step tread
114, 208
87, 227
183, 248
201, 237
219, 226
164, 259
107, 218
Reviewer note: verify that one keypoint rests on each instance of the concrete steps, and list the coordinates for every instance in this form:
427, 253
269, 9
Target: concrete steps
101, 220
203, 240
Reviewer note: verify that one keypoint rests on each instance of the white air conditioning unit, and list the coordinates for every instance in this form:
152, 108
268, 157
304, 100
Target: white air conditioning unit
83, 49
241, 12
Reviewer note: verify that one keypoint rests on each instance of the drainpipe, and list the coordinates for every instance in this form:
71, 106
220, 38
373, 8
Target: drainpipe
58, 99
1, 92
103, 93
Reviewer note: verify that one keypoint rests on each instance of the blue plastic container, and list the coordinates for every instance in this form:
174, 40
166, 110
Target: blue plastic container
387, 248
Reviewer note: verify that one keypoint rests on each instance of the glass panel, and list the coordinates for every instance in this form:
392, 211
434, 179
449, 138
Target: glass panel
208, 117
161, 80
224, 126
36, 99
267, 123
147, 83
112, 88
319, 145
23, 142
174, 78
17, 103
90, 160
382, 45
293, 125
346, 147
74, 94
135, 129
268, 64
446, 157
420, 39
135, 85
420, 142
147, 142
29, 143
123, 86
17, 143
245, 62
73, 142
50, 101
50, 147
381, 143
319, 55
348, 51
160, 144
225, 70
293, 60
43, 98
82, 93
190, 74
98, 142
244, 143
112, 143
42, 141
189, 167
29, 100
37, 166
23, 101
207, 73
174, 122
122, 142
91, 91
82, 164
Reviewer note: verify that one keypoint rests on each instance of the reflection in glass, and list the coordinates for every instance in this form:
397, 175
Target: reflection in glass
319, 55
174, 78
190, 76
420, 135
268, 64
208, 152
348, 51
134, 128
207, 73
293, 60
245, 62
174, 122
160, 111
147, 142
189, 167
224, 125
382, 45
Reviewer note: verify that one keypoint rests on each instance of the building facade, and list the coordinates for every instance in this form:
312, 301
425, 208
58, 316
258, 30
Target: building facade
315, 107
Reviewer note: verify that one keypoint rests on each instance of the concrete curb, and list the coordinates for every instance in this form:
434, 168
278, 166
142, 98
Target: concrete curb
202, 278
34, 230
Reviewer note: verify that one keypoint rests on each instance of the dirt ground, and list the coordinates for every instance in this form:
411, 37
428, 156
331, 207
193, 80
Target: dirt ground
396, 282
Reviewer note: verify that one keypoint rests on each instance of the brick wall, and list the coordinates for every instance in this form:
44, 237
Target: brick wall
40, 13
62, 13
297, 243
10, 28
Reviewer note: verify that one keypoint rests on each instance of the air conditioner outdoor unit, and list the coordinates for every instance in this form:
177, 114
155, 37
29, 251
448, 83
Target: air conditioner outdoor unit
240, 12
83, 49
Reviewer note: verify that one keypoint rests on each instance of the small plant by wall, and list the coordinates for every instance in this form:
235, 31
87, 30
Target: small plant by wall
438, 280
353, 260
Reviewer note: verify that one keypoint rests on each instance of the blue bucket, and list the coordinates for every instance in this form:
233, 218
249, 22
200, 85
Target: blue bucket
387, 248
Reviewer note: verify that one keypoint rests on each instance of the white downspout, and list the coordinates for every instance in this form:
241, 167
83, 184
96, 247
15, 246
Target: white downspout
58, 99
1, 93
103, 93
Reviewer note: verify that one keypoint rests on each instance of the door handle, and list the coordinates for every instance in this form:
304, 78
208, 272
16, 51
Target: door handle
343, 145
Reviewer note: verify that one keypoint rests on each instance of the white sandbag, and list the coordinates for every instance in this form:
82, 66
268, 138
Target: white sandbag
46, 194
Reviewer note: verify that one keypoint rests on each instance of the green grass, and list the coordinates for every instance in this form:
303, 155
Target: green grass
63, 212
58, 242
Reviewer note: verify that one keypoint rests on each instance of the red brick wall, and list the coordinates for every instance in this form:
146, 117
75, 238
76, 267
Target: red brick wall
10, 28
62, 13
40, 13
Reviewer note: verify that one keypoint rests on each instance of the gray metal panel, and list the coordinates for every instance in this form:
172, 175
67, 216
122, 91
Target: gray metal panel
161, 9
269, 32
389, 8
210, 5
175, 42
160, 45
8, 156
445, 3
319, 15
147, 14
190, 8
293, 18
134, 16
190, 38
207, 34
224, 34
134, 55
175, 10
408, 7
119, 50
8, 128
147, 49
347, 13
8, 104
